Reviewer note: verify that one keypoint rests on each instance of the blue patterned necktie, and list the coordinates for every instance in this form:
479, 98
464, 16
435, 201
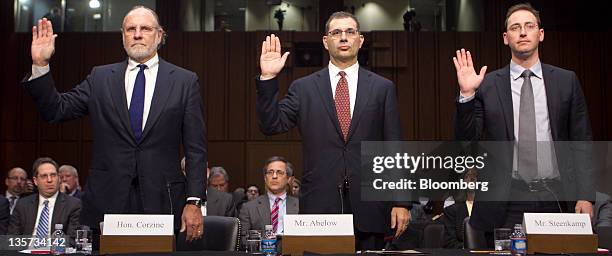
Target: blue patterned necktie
42, 230
137, 102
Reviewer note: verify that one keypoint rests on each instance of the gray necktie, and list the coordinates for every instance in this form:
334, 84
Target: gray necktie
527, 141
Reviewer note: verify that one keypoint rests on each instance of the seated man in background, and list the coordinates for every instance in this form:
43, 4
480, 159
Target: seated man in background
16, 186
38, 213
252, 192
271, 207
217, 203
69, 177
219, 179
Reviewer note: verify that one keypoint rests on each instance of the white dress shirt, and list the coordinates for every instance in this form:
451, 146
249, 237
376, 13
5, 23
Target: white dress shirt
282, 210
8, 196
41, 201
150, 77
352, 74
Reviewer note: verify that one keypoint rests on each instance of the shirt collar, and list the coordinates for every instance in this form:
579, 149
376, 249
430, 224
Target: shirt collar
350, 71
9, 194
516, 70
273, 197
132, 64
51, 199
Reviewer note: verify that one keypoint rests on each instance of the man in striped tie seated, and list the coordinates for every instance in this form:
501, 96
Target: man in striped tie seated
271, 207
38, 213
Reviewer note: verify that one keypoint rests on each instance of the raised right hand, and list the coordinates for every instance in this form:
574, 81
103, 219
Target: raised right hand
468, 80
271, 62
43, 42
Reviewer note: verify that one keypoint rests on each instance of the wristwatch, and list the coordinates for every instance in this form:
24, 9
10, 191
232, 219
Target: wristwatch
196, 202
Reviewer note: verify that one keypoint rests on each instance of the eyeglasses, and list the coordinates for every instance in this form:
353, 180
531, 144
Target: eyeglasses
271, 173
529, 27
143, 29
15, 178
337, 33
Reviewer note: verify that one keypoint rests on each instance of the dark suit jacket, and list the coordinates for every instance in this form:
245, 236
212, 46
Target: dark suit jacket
219, 203
78, 193
255, 214
327, 158
453, 225
175, 118
602, 211
5, 214
66, 212
489, 116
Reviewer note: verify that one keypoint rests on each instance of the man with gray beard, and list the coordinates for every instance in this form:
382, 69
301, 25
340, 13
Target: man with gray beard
141, 110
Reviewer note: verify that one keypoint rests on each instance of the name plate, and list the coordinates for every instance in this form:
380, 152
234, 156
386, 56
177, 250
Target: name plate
318, 225
138, 225
557, 223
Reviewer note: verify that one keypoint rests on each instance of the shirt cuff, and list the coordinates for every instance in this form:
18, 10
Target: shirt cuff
38, 71
463, 99
193, 198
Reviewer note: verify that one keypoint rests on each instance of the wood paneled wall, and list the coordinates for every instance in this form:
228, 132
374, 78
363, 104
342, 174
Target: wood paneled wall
226, 63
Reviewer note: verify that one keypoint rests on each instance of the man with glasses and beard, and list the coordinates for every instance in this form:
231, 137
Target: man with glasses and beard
142, 109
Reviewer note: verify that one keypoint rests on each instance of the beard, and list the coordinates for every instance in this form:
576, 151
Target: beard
139, 52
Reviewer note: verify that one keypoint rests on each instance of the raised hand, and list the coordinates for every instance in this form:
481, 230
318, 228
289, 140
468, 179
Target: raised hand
468, 80
43, 42
271, 62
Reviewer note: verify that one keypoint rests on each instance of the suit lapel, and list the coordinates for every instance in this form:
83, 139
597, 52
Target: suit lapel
57, 210
263, 207
163, 87
324, 87
504, 92
117, 87
552, 98
33, 208
292, 205
364, 90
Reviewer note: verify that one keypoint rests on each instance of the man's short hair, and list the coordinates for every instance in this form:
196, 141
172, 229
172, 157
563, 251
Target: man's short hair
40, 161
69, 168
340, 15
288, 165
522, 7
8, 174
218, 170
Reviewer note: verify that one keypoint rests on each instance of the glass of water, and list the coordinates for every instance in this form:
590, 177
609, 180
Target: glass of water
253, 241
502, 239
83, 240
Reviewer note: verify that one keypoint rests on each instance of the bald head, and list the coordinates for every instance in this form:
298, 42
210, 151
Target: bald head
141, 10
16, 181
142, 34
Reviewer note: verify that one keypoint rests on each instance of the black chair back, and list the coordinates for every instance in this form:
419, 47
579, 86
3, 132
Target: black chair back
473, 239
220, 234
433, 236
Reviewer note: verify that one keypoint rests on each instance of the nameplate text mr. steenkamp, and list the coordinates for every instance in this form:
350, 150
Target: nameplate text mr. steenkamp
318, 225
138, 225
557, 223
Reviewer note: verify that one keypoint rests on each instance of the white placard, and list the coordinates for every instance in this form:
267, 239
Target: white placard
557, 223
138, 225
318, 225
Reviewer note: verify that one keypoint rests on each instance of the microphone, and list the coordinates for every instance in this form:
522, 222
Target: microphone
170, 198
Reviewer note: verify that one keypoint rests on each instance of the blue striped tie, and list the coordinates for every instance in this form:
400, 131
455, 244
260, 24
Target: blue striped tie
42, 230
137, 102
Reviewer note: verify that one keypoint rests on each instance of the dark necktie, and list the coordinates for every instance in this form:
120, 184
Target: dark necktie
343, 105
12, 201
137, 102
527, 141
